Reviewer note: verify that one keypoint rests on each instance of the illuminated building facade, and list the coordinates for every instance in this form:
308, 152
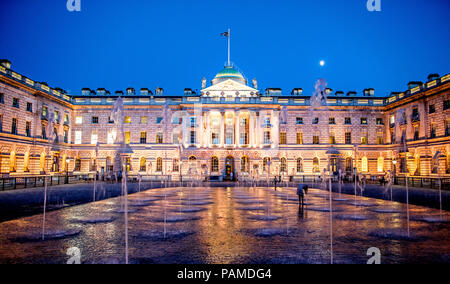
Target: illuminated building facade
228, 129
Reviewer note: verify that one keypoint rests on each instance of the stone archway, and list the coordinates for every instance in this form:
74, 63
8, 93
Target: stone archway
230, 169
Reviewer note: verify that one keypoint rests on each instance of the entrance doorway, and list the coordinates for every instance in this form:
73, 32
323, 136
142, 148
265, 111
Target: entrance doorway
229, 169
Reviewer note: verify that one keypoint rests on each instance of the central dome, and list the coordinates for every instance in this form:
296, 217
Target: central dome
229, 72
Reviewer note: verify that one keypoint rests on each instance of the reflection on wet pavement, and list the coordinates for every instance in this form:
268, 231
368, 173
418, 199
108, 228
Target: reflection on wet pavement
230, 225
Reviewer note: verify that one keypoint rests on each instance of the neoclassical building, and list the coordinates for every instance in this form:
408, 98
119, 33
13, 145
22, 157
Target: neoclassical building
228, 129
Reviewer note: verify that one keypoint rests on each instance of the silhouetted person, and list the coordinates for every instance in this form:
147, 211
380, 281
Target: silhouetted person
301, 190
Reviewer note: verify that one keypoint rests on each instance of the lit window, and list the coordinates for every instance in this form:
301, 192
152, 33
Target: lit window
299, 138
127, 137
127, 120
111, 137
94, 137
79, 120
77, 137
143, 120
283, 138
214, 165
380, 164
364, 164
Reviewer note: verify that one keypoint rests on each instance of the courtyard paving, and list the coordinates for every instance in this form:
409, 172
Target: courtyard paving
231, 226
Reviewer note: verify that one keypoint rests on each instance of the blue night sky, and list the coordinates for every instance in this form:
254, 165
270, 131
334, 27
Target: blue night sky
173, 44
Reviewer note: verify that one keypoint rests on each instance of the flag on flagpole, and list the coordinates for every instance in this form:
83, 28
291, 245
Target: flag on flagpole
227, 34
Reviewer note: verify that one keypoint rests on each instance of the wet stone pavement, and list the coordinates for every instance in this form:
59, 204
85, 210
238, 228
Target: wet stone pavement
231, 226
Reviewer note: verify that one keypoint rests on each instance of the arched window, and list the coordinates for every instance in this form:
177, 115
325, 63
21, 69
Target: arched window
380, 164
417, 162
55, 164
77, 165
175, 165
283, 165
42, 162
93, 163
448, 165
299, 165
364, 164
12, 162
26, 163
214, 165
109, 165
244, 164
349, 164
143, 165
316, 166
159, 164
266, 162
192, 164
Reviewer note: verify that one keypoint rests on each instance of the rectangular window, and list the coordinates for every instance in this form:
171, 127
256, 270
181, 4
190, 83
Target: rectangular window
159, 120
283, 138
43, 132
29, 107
2, 98
244, 138
364, 139
380, 139
447, 128
159, 138
299, 120
215, 140
432, 109
332, 120
44, 111
332, 139
66, 136
15, 102
66, 119
94, 137
143, 139
143, 120
380, 121
127, 137
14, 126
193, 137
78, 120
267, 137
348, 121
315, 120
1, 123
364, 121
28, 129
316, 139
193, 122
176, 138
111, 137
433, 131
78, 137
416, 133
299, 138
57, 118
127, 119
348, 138
95, 120
446, 104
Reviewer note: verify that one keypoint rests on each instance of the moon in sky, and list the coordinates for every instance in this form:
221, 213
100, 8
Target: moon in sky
322, 62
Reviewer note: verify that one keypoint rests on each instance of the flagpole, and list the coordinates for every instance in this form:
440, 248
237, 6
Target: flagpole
229, 48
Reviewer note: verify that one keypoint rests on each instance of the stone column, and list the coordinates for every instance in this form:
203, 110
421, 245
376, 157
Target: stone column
251, 141
236, 128
222, 128
208, 130
275, 128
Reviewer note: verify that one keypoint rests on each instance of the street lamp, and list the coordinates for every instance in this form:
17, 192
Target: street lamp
395, 168
67, 170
